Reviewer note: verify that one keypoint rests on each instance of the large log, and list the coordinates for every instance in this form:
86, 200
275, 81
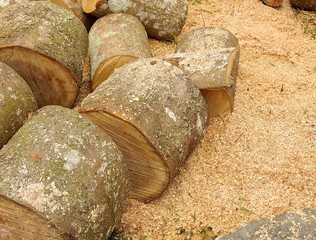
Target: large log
66, 169
210, 56
17, 102
155, 114
115, 40
72, 5
162, 19
46, 45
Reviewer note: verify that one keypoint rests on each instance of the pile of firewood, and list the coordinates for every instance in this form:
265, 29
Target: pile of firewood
67, 169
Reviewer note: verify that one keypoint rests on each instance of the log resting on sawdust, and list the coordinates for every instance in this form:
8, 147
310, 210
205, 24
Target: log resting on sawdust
155, 114
67, 170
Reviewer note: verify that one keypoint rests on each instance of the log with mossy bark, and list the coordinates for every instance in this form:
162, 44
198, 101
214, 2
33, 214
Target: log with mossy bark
155, 114
162, 19
65, 169
46, 45
210, 56
72, 5
309, 5
17, 102
115, 40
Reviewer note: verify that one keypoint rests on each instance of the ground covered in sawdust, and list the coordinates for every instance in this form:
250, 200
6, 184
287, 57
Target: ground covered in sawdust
260, 160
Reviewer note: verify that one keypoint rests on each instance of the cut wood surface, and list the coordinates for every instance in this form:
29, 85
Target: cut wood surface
46, 45
66, 169
114, 40
155, 114
17, 102
210, 56
162, 19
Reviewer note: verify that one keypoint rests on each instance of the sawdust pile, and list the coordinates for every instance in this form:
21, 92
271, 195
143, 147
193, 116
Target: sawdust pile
259, 161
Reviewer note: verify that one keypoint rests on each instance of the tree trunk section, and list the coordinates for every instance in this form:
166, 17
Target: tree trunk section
155, 114
67, 170
162, 19
210, 56
46, 46
115, 40
17, 102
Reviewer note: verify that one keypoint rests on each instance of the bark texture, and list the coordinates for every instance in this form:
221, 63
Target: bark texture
46, 45
304, 4
68, 170
162, 19
16, 102
114, 40
155, 114
211, 56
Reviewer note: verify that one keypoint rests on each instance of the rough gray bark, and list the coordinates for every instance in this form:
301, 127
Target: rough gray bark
155, 114
304, 4
68, 170
17, 102
162, 19
114, 40
210, 56
46, 45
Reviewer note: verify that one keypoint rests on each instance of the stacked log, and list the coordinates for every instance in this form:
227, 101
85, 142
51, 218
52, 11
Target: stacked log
46, 46
17, 102
61, 167
162, 19
155, 114
115, 40
210, 57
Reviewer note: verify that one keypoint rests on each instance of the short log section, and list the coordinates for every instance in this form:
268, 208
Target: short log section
17, 102
65, 169
162, 19
155, 114
210, 56
46, 45
115, 40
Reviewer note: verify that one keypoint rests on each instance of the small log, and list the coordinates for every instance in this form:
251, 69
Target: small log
309, 5
66, 169
155, 114
46, 45
210, 56
17, 102
162, 19
115, 40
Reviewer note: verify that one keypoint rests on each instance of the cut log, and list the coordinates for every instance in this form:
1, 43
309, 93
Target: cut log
72, 5
309, 5
115, 40
155, 114
67, 170
46, 45
16, 102
162, 19
210, 56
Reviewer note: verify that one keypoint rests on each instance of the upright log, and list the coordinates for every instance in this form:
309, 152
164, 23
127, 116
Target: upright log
65, 169
155, 114
115, 40
210, 56
17, 102
162, 19
46, 45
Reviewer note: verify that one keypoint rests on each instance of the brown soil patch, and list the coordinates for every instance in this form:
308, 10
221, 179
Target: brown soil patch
259, 161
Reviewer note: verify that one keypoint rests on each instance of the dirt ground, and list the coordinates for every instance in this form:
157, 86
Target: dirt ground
259, 161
